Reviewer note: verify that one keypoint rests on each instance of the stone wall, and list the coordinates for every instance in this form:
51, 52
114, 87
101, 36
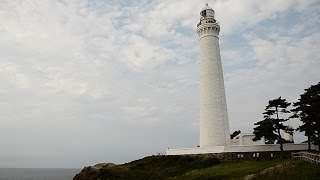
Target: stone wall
247, 155
239, 149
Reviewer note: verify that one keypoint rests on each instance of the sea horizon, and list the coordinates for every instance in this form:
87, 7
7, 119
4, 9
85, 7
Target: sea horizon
38, 173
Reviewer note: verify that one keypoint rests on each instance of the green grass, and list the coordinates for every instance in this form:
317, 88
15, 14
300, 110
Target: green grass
301, 171
231, 170
193, 167
157, 167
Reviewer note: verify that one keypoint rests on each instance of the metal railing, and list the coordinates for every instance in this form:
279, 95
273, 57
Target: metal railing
307, 156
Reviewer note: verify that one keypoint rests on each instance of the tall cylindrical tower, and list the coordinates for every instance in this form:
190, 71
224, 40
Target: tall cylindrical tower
214, 124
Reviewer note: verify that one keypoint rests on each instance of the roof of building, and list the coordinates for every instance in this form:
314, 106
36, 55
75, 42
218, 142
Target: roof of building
207, 7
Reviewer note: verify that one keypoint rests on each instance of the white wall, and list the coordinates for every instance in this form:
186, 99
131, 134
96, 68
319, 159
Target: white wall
252, 148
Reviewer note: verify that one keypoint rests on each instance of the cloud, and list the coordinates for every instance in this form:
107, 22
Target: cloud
236, 16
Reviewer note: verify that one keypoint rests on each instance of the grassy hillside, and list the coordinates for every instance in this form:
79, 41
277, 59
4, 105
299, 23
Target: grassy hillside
301, 171
264, 170
158, 167
231, 170
192, 167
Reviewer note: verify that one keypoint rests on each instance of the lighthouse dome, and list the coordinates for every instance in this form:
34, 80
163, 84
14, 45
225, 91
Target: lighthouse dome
207, 12
207, 7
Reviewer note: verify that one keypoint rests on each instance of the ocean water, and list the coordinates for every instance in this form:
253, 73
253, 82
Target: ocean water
37, 174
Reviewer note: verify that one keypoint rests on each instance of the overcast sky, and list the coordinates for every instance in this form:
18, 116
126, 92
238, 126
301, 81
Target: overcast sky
89, 81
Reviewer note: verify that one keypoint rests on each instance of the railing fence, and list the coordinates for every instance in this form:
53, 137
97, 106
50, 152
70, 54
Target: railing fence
307, 156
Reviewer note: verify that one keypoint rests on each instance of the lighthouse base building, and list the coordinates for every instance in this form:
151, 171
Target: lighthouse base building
214, 123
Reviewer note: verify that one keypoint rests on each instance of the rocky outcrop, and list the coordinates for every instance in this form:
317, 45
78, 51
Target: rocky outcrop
92, 172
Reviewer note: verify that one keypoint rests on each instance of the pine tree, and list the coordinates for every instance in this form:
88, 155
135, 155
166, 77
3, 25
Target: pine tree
307, 109
271, 126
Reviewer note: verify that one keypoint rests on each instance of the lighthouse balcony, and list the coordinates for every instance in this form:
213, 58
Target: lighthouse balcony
208, 28
208, 21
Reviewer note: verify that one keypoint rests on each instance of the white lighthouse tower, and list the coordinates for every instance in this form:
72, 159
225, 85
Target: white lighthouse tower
214, 124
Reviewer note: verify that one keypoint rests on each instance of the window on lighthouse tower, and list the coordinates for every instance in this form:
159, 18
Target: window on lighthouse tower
210, 13
203, 13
